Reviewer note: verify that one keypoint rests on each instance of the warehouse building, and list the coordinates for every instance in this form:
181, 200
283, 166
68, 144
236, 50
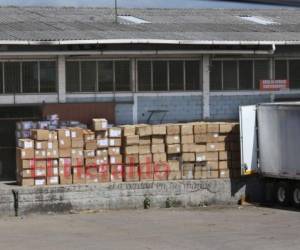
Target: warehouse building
141, 65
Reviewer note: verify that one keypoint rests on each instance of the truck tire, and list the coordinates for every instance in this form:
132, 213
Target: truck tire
295, 196
282, 193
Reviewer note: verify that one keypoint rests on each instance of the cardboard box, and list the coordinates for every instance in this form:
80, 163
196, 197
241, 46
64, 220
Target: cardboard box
89, 153
173, 129
28, 182
116, 173
115, 132
131, 159
77, 143
91, 179
210, 165
147, 168
160, 157
174, 166
101, 134
224, 155
27, 173
145, 149
63, 133
159, 129
172, 139
24, 154
147, 158
43, 145
131, 140
52, 153
213, 127
145, 140
188, 157
114, 151
115, 142
103, 169
91, 145
160, 176
78, 175
172, 176
102, 152
158, 139
104, 177
40, 134
215, 137
76, 133
188, 171
200, 138
91, 174
103, 160
40, 172
200, 128
146, 176
64, 163
102, 143
131, 173
77, 162
131, 150
224, 165
116, 159
64, 143
207, 156
173, 148
64, 152
209, 174
229, 127
187, 129
144, 130
41, 181
224, 173
76, 153
161, 167
52, 136
52, 180
187, 139
40, 154
158, 148
25, 143
25, 164
128, 130
219, 146
99, 124
52, 163
193, 148
88, 135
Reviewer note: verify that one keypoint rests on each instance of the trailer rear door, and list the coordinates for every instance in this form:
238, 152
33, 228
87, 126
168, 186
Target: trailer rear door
248, 139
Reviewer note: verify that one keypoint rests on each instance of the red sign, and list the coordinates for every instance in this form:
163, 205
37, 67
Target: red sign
272, 85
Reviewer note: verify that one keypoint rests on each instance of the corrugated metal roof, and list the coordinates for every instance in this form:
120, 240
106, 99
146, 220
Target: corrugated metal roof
59, 24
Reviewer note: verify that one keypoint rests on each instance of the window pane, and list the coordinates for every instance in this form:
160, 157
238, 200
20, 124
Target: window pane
122, 74
72, 77
88, 76
229, 75
281, 70
176, 75
12, 77
192, 75
261, 71
144, 75
105, 76
294, 74
48, 77
245, 74
30, 77
216, 75
160, 80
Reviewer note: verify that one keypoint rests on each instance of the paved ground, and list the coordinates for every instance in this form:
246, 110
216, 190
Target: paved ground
205, 228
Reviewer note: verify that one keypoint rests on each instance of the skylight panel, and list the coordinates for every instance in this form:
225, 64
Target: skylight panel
131, 20
258, 19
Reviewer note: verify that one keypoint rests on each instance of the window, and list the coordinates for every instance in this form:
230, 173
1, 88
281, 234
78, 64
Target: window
30, 81
88, 76
246, 74
281, 70
294, 76
229, 75
176, 75
144, 75
12, 77
160, 77
261, 71
105, 76
122, 74
216, 75
192, 75
48, 77
72, 77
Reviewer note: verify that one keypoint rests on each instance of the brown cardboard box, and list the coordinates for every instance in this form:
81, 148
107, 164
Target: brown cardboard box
158, 148
219, 146
52, 180
90, 179
144, 130
160, 176
224, 155
200, 138
172, 139
147, 168
103, 160
116, 173
145, 140
209, 174
187, 139
188, 157
101, 134
211, 165
40, 181
131, 173
64, 152
52, 153
173, 148
161, 167
77, 162
91, 175
88, 135
40, 154
128, 130
103, 169
99, 124
26, 143
188, 171
200, 128
53, 136
28, 182
104, 177
198, 173
25, 153
76, 153
187, 129
145, 149
26, 173
77, 143
90, 162
40, 172
174, 166
172, 176
159, 129
78, 175
158, 139
173, 129
193, 148
115, 132
224, 173
102, 152
116, 159
64, 163
224, 165
207, 156
25, 164
131, 150
131, 159
76, 133
147, 158
146, 176
52, 164
213, 127
89, 153
131, 140
229, 127
102, 143
215, 137
160, 157
114, 151
91, 145
64, 143
115, 142
40, 134
63, 134
52, 145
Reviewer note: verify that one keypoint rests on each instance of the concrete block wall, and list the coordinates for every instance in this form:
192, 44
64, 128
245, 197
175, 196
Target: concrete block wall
180, 108
223, 107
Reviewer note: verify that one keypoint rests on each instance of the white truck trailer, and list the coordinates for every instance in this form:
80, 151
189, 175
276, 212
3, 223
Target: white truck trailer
270, 147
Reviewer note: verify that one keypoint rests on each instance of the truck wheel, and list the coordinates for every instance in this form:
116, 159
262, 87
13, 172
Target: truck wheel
282, 193
296, 196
